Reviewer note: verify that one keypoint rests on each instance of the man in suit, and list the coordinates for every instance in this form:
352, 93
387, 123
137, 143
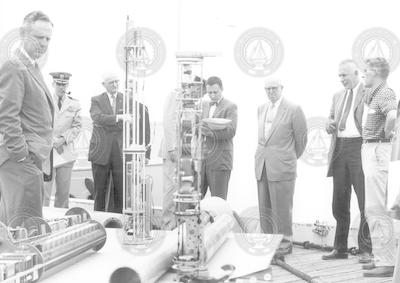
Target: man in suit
218, 145
344, 161
26, 123
282, 138
105, 150
67, 125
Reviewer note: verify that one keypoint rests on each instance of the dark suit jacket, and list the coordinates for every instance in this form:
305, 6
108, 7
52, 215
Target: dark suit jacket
105, 128
285, 143
220, 145
26, 111
338, 102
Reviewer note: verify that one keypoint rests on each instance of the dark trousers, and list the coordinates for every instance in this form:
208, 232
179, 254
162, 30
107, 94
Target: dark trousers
101, 180
217, 180
347, 172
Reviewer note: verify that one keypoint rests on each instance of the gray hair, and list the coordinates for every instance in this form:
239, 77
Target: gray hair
380, 66
351, 63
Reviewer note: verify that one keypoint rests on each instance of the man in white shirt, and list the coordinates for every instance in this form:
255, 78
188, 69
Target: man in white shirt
344, 163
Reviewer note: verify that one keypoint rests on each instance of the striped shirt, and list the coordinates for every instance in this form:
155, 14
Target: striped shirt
379, 101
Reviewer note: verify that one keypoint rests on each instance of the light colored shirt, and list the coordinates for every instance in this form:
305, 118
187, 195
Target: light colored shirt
271, 113
350, 130
213, 107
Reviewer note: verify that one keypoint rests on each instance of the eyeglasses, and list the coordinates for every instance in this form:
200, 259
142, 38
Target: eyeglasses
274, 88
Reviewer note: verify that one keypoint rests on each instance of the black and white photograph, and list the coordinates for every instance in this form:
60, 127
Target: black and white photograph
199, 141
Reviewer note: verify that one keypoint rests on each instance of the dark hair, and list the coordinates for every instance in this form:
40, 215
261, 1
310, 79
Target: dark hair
215, 80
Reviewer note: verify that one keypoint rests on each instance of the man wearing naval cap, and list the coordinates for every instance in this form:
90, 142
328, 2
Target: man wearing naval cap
67, 125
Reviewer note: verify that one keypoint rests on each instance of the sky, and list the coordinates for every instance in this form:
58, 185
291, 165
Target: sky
315, 36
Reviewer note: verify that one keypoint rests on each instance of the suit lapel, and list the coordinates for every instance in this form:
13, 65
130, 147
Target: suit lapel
359, 107
119, 104
262, 119
341, 102
218, 109
359, 97
281, 111
106, 102
35, 73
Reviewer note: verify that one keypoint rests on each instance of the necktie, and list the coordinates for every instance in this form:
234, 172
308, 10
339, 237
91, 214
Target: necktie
212, 103
346, 112
59, 103
269, 119
113, 102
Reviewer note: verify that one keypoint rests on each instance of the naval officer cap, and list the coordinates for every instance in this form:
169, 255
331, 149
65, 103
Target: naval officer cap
60, 77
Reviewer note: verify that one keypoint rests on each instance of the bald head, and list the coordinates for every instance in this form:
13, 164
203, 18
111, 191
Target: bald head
111, 82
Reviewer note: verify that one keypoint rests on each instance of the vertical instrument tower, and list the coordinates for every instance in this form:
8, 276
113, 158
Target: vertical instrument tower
137, 195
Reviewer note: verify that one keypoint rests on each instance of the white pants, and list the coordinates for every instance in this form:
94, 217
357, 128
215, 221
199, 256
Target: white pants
62, 176
375, 163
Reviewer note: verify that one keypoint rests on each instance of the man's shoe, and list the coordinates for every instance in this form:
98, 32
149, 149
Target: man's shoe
368, 266
284, 250
335, 254
285, 247
365, 258
380, 271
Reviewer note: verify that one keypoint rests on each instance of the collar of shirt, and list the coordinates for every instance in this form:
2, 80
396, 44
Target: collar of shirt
56, 98
218, 102
23, 51
110, 96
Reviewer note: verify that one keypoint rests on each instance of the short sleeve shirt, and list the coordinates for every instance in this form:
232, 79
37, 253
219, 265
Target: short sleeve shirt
379, 101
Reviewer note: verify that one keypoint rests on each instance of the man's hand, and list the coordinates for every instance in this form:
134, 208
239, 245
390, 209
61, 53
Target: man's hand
172, 155
58, 142
60, 149
206, 131
331, 126
124, 117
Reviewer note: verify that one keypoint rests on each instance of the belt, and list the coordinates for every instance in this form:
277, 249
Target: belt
376, 140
